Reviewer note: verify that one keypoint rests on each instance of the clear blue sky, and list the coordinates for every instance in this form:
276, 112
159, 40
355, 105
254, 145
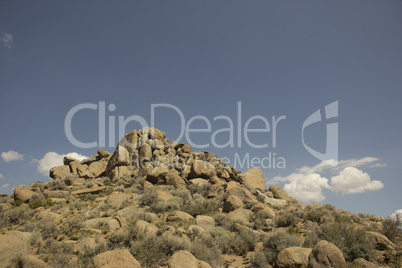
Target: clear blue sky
277, 58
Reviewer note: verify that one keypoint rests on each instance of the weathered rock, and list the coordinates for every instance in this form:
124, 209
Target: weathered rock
253, 179
92, 190
271, 201
202, 169
48, 216
178, 216
74, 181
293, 257
232, 203
146, 228
360, 262
145, 153
31, 261
103, 154
240, 215
59, 172
199, 181
23, 193
164, 196
120, 157
12, 244
263, 209
83, 171
195, 230
243, 194
183, 259
381, 242
173, 178
55, 194
116, 199
97, 168
67, 160
86, 242
157, 175
153, 133
116, 258
4, 207
90, 160
205, 222
111, 222
326, 254
279, 193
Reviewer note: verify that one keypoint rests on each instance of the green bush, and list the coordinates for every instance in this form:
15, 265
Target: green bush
19, 214
35, 204
206, 207
210, 255
258, 260
280, 240
286, 219
17, 203
392, 228
149, 197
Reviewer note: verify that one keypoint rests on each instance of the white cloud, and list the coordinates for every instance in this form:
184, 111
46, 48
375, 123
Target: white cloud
307, 183
352, 180
52, 159
397, 214
7, 40
11, 156
4, 186
2, 177
306, 187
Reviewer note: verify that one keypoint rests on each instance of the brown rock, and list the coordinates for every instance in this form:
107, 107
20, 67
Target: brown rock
293, 257
279, 193
31, 261
381, 242
146, 228
23, 193
12, 244
164, 196
92, 190
173, 178
103, 154
183, 259
202, 169
253, 179
145, 153
83, 171
232, 203
116, 199
97, 168
116, 258
243, 194
326, 254
264, 210
241, 215
59, 172
178, 216
205, 222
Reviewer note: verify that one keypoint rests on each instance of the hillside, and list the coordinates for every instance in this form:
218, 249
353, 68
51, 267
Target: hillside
155, 203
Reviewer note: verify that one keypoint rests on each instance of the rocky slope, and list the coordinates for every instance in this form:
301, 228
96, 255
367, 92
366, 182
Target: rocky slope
155, 203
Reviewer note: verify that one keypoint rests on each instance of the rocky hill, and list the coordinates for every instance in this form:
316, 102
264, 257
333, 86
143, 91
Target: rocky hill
155, 203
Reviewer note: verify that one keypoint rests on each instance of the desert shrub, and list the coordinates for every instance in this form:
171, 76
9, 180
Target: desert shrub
56, 185
51, 246
152, 251
172, 204
203, 189
259, 220
149, 197
182, 193
207, 254
286, 219
50, 202
17, 203
311, 238
19, 214
106, 181
258, 260
353, 242
278, 242
222, 220
392, 228
48, 229
74, 225
75, 205
28, 227
206, 207
35, 238
35, 204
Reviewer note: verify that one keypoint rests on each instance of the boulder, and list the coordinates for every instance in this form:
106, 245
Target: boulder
12, 244
23, 193
205, 222
145, 152
97, 168
48, 216
199, 181
83, 171
98, 222
232, 203
202, 169
279, 193
243, 194
31, 261
271, 201
253, 179
326, 254
92, 190
157, 175
153, 133
146, 227
380, 241
116, 258
240, 215
120, 157
293, 257
86, 242
103, 154
184, 259
195, 230
116, 199
173, 178
74, 181
178, 216
360, 262
59, 172
263, 209
164, 196
90, 160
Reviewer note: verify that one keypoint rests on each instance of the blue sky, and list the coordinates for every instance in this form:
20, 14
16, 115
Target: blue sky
277, 58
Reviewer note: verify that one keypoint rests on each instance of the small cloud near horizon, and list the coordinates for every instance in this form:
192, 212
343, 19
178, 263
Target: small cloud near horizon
11, 156
52, 159
7, 40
